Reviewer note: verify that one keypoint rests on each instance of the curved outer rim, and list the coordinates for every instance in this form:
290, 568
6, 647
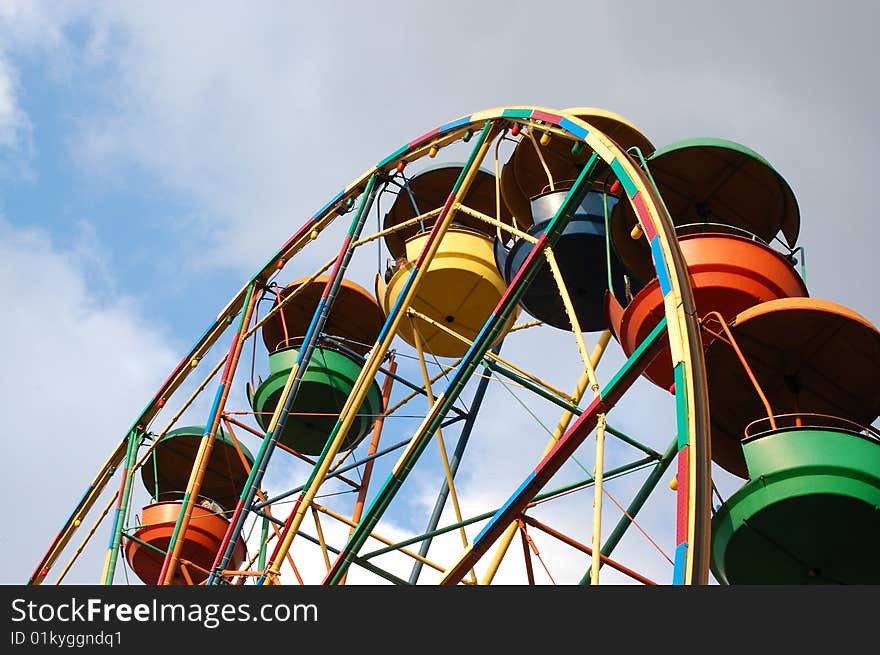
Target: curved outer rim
694, 481
619, 129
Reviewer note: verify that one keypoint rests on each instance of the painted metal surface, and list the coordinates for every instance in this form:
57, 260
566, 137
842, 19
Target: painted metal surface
460, 288
581, 256
808, 514
356, 318
729, 273
377, 354
166, 471
534, 168
199, 542
682, 333
425, 192
326, 384
212, 425
288, 395
711, 182
808, 355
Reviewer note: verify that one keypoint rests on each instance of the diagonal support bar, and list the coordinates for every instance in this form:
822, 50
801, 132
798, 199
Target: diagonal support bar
386, 334
289, 392
560, 453
488, 334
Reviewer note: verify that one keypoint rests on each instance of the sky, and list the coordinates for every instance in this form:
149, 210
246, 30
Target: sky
153, 155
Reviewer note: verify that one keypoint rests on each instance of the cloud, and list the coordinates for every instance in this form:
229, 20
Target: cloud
15, 128
10, 114
256, 118
67, 347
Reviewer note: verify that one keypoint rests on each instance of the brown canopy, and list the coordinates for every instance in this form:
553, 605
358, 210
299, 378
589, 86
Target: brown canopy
710, 181
430, 189
523, 177
355, 316
808, 355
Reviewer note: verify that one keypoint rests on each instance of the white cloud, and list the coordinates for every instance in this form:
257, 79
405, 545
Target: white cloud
10, 114
78, 365
15, 127
256, 118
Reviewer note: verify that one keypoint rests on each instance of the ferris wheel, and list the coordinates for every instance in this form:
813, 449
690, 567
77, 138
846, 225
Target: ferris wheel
526, 347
